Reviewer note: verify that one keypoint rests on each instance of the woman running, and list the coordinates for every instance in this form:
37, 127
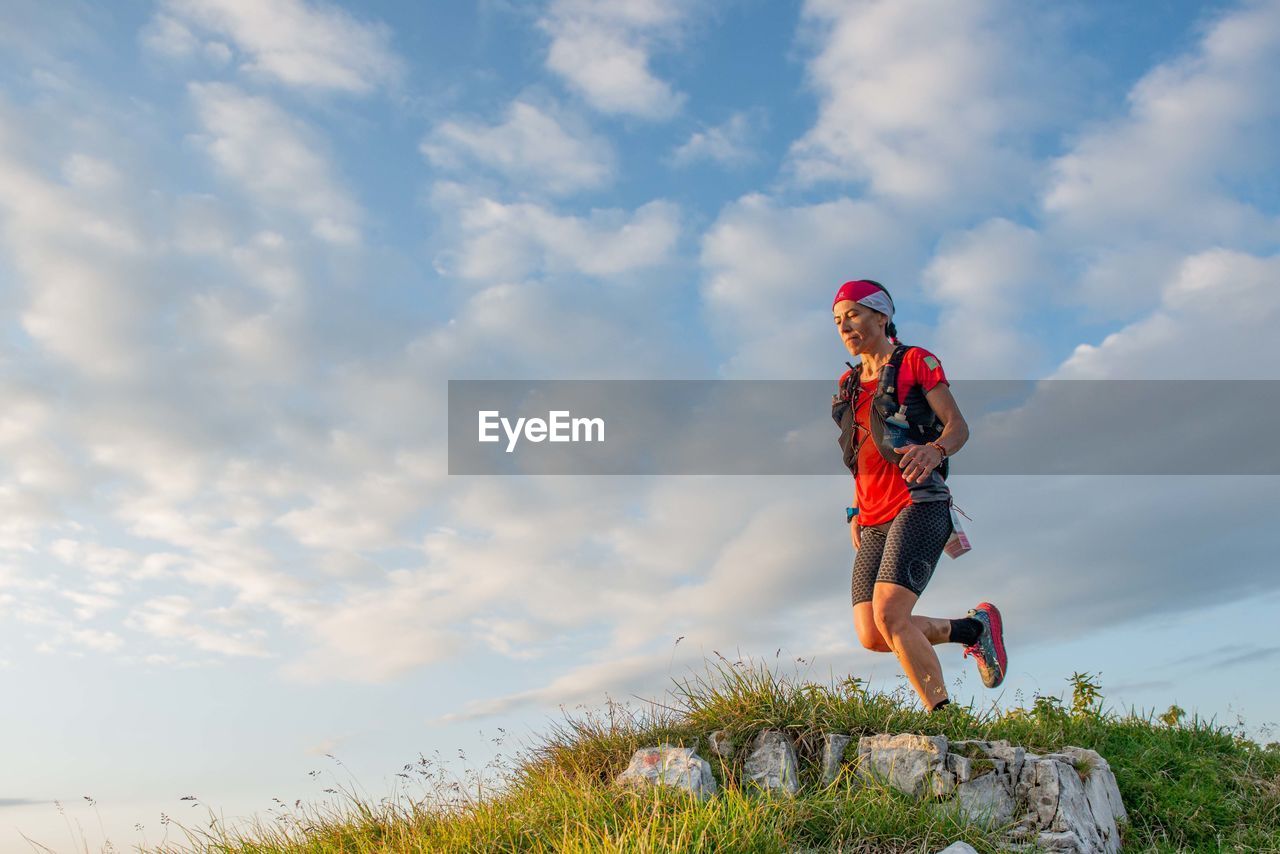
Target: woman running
898, 425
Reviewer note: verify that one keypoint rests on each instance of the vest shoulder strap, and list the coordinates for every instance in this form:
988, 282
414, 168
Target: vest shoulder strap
889, 377
848, 383
899, 353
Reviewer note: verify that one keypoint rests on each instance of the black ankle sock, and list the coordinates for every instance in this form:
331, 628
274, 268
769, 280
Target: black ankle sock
965, 630
941, 703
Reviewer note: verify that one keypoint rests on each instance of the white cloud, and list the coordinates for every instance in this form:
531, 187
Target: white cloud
986, 281
776, 554
308, 45
168, 36
235, 495
532, 148
703, 560
275, 159
583, 684
603, 49
1135, 194
362, 514
35, 468
508, 242
55, 631
90, 173
755, 269
172, 618
84, 315
94, 558
216, 555
89, 605
96, 639
217, 53
541, 539
768, 301
727, 564
1194, 125
728, 144
79, 250
1221, 302
514, 638
376, 634
925, 103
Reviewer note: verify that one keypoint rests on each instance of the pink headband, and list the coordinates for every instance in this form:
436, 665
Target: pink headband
865, 293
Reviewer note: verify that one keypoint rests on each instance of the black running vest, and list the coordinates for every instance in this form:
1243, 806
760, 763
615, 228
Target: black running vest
922, 424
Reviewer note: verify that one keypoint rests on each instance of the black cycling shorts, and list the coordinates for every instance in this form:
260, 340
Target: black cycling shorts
904, 551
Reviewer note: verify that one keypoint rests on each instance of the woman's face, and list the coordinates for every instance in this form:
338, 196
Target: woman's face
861, 328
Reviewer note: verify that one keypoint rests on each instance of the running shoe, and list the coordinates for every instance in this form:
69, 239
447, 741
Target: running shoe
988, 650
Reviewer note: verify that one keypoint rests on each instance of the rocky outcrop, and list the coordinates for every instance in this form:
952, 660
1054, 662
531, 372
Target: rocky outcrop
1074, 803
1064, 801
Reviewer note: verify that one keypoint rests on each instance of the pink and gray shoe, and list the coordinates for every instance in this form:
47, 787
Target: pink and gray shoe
988, 651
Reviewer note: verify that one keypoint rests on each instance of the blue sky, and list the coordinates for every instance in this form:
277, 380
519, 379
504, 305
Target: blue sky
244, 245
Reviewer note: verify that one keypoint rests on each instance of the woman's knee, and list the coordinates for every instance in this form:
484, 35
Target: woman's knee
874, 641
868, 634
891, 619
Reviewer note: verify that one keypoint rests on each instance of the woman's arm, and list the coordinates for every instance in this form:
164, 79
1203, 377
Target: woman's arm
919, 460
955, 430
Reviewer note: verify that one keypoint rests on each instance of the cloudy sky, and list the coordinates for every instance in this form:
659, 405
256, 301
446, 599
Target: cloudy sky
244, 246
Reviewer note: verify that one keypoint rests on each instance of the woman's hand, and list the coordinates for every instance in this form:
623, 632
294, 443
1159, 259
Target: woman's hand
918, 462
855, 534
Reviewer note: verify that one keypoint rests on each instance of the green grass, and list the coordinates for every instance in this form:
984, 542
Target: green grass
1188, 785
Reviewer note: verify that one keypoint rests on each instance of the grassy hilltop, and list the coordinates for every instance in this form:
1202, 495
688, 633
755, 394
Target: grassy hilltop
1189, 785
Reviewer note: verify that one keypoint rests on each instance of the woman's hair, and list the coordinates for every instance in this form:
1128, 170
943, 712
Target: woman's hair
890, 330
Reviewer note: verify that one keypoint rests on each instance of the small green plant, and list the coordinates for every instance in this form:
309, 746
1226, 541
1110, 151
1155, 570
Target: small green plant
1086, 695
853, 687
1048, 709
1173, 717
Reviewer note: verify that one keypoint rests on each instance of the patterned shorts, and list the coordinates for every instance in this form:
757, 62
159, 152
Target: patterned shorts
904, 551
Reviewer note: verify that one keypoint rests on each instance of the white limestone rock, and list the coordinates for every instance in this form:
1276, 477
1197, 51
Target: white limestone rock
667, 765
833, 745
772, 764
1062, 811
1100, 786
907, 762
955, 770
987, 794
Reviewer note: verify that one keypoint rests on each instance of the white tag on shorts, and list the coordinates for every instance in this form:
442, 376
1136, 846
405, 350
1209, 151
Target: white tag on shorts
958, 544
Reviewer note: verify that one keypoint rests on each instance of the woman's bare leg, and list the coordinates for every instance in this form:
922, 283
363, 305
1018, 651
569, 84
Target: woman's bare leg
911, 639
864, 622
